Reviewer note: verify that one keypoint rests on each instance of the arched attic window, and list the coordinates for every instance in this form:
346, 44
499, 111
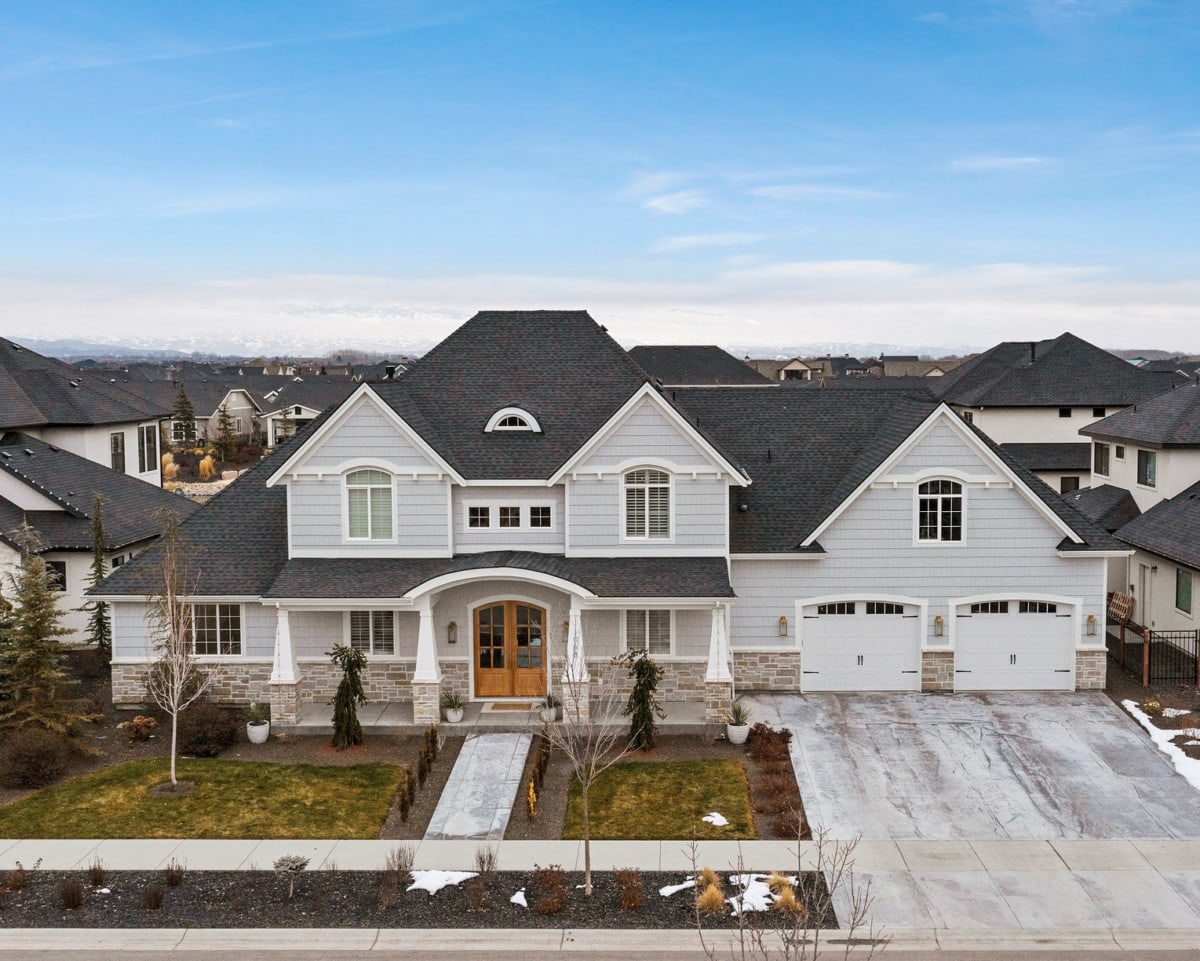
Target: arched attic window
369, 505
512, 419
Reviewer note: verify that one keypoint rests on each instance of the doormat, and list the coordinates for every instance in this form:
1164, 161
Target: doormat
510, 706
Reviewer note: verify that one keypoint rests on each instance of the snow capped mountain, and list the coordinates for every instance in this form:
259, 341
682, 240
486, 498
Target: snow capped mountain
219, 345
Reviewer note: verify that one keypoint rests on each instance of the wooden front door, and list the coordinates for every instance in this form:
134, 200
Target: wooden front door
510, 650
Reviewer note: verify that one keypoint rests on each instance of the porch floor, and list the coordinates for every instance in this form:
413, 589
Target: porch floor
396, 717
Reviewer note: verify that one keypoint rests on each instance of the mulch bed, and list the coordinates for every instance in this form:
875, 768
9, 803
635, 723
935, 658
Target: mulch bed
351, 899
1124, 686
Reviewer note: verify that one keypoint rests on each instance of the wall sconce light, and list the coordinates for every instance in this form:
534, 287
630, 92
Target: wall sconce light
452, 632
783, 627
939, 626
1091, 625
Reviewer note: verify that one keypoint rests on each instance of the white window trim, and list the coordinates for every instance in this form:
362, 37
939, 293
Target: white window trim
209, 658
346, 538
1175, 598
625, 629
916, 514
493, 424
395, 655
494, 506
1137, 469
646, 539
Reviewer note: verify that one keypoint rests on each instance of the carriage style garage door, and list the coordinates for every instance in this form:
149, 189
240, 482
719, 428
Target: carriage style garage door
1014, 645
866, 645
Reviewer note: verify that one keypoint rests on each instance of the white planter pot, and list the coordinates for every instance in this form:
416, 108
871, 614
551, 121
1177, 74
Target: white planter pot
548, 714
454, 715
737, 733
258, 733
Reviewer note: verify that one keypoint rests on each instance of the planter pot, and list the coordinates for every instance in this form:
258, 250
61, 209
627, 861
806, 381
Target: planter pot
454, 715
548, 714
737, 733
258, 733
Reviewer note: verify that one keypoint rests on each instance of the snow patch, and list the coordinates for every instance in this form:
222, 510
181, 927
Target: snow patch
716, 819
1174, 712
1184, 765
676, 888
434, 881
756, 893
519, 898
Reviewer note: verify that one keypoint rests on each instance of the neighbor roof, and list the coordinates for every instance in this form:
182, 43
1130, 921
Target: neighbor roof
1047, 457
1171, 419
696, 366
1064, 372
1110, 507
1170, 529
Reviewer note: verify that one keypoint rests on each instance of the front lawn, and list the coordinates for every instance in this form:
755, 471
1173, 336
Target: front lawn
648, 800
232, 799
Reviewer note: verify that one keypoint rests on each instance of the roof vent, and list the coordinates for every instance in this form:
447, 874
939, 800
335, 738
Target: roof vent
28, 452
6, 454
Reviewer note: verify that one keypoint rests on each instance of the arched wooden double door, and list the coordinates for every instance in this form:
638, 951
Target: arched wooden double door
510, 650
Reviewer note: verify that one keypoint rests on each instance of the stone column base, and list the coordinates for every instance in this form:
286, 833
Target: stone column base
937, 670
285, 703
718, 697
1091, 670
577, 705
427, 702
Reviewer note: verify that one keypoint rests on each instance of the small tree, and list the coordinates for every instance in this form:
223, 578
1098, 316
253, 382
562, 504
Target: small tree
99, 630
642, 707
33, 678
173, 680
349, 696
183, 414
286, 426
225, 432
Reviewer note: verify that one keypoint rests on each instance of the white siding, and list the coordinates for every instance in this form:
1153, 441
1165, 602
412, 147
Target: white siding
1033, 425
93, 443
316, 632
1177, 470
468, 540
1157, 609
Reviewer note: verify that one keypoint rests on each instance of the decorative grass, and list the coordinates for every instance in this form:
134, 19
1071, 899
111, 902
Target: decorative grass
232, 799
647, 800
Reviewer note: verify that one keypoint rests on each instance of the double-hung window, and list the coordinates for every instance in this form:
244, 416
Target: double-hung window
217, 629
940, 511
1147, 468
648, 631
647, 504
1100, 459
369, 505
373, 632
147, 448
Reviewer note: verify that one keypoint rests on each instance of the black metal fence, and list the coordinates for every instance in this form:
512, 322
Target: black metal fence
1158, 657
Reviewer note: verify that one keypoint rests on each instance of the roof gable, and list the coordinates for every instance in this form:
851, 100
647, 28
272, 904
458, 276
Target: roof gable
1170, 529
696, 366
1171, 419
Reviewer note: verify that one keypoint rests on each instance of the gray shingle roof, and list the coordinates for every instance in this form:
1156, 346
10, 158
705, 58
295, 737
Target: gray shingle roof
130, 506
1052, 456
1110, 507
691, 365
1063, 372
1171, 419
1170, 529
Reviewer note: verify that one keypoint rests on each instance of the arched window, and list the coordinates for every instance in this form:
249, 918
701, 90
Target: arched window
369, 505
940, 511
512, 418
647, 504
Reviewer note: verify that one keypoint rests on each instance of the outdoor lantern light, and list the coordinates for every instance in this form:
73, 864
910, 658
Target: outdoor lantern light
783, 627
452, 632
1091, 625
939, 626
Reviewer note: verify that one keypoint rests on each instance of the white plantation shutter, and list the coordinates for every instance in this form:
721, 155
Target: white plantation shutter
660, 512
647, 504
382, 625
635, 512
369, 505
659, 631
360, 630
635, 630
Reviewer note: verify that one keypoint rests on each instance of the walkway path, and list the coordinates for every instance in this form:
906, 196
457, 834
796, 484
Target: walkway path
480, 792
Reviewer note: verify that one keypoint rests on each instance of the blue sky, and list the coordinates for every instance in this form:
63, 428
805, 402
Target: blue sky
868, 170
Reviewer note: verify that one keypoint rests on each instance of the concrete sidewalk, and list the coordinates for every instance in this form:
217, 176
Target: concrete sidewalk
1072, 887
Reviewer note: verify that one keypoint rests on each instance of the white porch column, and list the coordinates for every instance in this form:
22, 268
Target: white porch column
576, 689
285, 673
427, 675
718, 679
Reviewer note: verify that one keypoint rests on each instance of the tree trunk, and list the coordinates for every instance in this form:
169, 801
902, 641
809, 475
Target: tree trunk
587, 841
174, 729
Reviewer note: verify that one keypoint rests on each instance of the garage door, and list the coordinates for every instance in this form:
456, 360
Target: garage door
1014, 645
867, 645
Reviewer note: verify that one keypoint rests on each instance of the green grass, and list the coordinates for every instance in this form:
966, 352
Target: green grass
647, 800
232, 799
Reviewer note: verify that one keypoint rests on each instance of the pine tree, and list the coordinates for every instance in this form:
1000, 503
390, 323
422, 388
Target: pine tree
99, 630
184, 416
349, 695
33, 679
225, 429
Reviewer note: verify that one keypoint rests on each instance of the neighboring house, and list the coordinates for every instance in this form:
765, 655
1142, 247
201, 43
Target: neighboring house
893, 367
295, 405
844, 366
1175, 365
792, 369
79, 411
1064, 467
697, 366
479, 534
1111, 508
54, 491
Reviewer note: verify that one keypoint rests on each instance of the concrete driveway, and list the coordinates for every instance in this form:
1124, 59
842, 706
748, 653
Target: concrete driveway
1024, 766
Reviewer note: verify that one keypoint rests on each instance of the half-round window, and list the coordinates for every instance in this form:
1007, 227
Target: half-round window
513, 419
369, 505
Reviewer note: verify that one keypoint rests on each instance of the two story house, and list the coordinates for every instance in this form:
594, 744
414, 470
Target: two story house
527, 502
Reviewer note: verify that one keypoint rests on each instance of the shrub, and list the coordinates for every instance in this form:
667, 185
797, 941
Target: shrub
33, 757
630, 880
422, 769
403, 803
349, 696
140, 728
174, 873
389, 890
71, 892
707, 878
96, 873
399, 864
550, 889
88, 664
764, 743
207, 467
18, 877
642, 707
289, 867
1152, 706
153, 896
787, 902
410, 785
206, 729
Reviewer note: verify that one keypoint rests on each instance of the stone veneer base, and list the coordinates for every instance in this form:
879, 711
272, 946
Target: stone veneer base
937, 670
1091, 670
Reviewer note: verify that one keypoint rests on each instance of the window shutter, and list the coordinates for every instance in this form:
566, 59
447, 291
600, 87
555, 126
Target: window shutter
635, 630
382, 623
659, 630
635, 512
381, 513
360, 630
357, 501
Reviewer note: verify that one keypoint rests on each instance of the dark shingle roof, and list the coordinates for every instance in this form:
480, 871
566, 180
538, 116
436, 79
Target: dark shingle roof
1171, 419
696, 366
1051, 456
130, 507
1170, 529
1063, 372
1110, 507
603, 576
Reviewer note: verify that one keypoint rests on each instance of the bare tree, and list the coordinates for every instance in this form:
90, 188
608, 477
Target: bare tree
173, 679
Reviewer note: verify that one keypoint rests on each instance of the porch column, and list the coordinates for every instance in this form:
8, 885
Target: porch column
285, 674
427, 676
575, 679
718, 679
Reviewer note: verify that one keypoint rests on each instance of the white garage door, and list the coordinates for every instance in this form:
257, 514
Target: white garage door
1014, 645
861, 646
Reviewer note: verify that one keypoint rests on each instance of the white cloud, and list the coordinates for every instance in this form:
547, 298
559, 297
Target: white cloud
816, 191
655, 182
692, 241
988, 162
934, 16
679, 202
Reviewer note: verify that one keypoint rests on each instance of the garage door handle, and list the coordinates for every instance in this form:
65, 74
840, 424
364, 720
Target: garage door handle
1062, 670
962, 672
908, 672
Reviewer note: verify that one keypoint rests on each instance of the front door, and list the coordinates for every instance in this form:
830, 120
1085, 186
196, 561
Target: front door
510, 650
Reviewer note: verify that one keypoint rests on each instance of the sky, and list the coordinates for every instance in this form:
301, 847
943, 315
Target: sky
949, 173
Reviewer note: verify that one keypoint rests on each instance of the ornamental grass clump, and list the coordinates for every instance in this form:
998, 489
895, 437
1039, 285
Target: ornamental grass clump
71, 892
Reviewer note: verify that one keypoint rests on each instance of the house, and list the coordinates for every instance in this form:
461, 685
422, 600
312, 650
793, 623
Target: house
292, 406
905, 367
697, 366
791, 369
54, 491
80, 412
1062, 466
493, 535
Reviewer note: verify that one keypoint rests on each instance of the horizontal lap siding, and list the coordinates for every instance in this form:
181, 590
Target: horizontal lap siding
419, 514
470, 539
133, 634
315, 632
941, 448
700, 514
647, 433
367, 433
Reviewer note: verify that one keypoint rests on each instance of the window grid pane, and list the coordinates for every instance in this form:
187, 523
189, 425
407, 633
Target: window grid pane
510, 517
635, 630
539, 517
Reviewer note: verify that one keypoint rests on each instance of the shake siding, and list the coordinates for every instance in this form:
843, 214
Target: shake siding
467, 539
941, 448
419, 515
646, 432
367, 433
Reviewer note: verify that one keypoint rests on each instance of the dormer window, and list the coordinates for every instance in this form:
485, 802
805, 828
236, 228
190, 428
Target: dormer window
647, 504
369, 505
513, 419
